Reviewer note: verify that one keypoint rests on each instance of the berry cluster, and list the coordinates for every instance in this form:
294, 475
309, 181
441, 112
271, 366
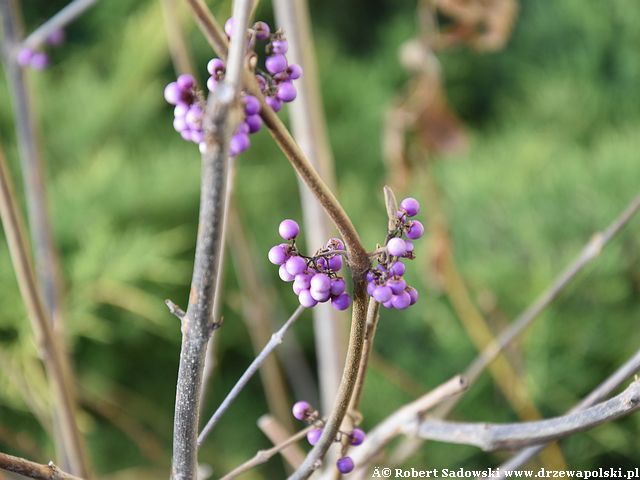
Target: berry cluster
303, 411
315, 279
38, 59
385, 282
275, 83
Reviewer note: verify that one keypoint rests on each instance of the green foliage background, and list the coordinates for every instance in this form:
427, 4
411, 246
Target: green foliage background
553, 121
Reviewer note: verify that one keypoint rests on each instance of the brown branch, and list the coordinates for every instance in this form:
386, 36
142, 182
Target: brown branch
54, 359
30, 469
293, 454
490, 436
197, 324
174, 25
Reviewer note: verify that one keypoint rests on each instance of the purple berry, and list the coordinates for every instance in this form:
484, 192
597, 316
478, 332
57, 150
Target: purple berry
335, 244
409, 246
341, 302
294, 71
194, 116
239, 143
370, 276
186, 82
411, 206
287, 92
211, 84
254, 122
314, 435
284, 275
382, 294
276, 63
345, 464
24, 56
228, 27
335, 263
306, 300
278, 254
321, 282
320, 295
397, 285
357, 436
288, 229
179, 124
301, 282
186, 134
401, 300
56, 37
215, 66
322, 263
180, 110
413, 294
371, 287
172, 93
296, 265
397, 268
279, 46
388, 304
301, 410
39, 61
251, 105
396, 247
338, 286
197, 136
415, 230
274, 103
262, 33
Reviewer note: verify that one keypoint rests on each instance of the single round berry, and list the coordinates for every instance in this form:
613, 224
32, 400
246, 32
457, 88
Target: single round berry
397, 285
341, 302
320, 295
321, 282
197, 136
382, 294
284, 275
335, 263
179, 124
214, 66
413, 294
294, 71
415, 230
262, 32
24, 56
181, 110
345, 464
254, 122
39, 61
186, 82
401, 300
338, 286
397, 268
228, 27
411, 206
409, 246
301, 282
274, 103
335, 244
287, 92
211, 84
371, 287
357, 436
288, 229
276, 63
301, 410
278, 254
279, 46
296, 265
251, 105
396, 247
314, 435
238, 144
56, 37
306, 300
173, 93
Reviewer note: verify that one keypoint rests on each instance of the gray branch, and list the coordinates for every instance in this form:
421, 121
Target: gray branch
490, 436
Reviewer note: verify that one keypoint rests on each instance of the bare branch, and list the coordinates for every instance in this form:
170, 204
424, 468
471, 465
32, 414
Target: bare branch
293, 454
490, 436
175, 309
276, 339
373, 315
174, 25
197, 324
30, 469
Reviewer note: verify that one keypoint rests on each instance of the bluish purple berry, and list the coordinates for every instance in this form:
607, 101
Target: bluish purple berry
288, 229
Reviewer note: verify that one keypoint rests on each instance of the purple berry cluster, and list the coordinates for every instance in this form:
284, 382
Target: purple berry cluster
276, 83
38, 59
315, 279
385, 282
304, 412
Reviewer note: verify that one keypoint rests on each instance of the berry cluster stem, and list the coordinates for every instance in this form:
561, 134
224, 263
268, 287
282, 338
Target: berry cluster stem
197, 325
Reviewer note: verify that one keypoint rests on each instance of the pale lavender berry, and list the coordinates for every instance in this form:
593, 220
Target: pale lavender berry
228, 27
296, 265
254, 122
401, 300
357, 436
409, 246
39, 61
24, 56
321, 282
415, 230
276, 63
180, 110
341, 302
211, 84
214, 66
382, 293
396, 247
397, 268
314, 435
411, 206
288, 229
338, 286
287, 92
251, 105
279, 46
322, 263
371, 287
262, 32
56, 37
243, 128
278, 254
239, 143
320, 295
274, 103
284, 275
301, 282
173, 93
179, 124
294, 71
397, 285
345, 464
306, 300
197, 136
413, 294
335, 263
186, 134
186, 82
388, 304
301, 410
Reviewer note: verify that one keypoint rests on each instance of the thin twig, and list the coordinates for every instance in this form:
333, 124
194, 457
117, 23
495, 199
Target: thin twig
276, 433
373, 315
197, 324
61, 19
262, 456
630, 367
276, 339
174, 25
55, 361
308, 125
491, 437
31, 469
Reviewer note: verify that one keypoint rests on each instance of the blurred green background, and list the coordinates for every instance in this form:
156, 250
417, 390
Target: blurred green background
554, 133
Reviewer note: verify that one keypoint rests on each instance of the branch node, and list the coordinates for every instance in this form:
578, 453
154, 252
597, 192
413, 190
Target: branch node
175, 309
